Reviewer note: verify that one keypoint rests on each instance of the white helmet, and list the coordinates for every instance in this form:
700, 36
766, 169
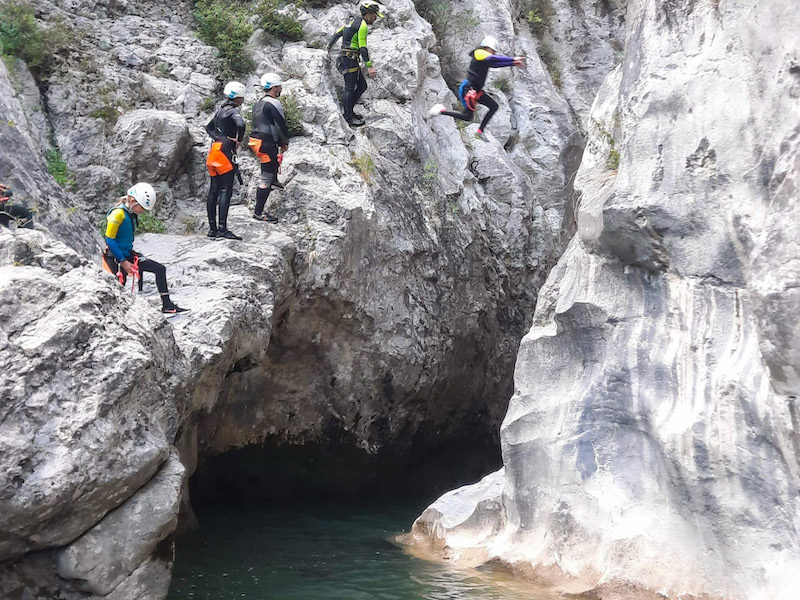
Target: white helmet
270, 80
490, 42
144, 194
233, 89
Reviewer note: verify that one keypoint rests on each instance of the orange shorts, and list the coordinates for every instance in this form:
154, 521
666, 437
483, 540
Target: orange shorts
217, 162
255, 146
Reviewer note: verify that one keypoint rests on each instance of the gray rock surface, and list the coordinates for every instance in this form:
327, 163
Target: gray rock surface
83, 422
407, 261
651, 443
118, 545
152, 144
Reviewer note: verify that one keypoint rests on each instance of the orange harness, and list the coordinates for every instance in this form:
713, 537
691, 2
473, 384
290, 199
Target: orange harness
217, 163
255, 146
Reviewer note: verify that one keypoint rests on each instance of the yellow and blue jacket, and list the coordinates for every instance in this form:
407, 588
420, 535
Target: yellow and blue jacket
482, 61
120, 228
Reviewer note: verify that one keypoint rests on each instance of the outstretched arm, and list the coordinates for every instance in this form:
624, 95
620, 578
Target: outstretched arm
499, 60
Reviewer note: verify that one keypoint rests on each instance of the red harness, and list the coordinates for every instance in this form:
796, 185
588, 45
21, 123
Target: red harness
471, 99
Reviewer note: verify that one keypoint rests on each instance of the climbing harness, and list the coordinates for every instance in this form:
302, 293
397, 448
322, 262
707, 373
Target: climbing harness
471, 99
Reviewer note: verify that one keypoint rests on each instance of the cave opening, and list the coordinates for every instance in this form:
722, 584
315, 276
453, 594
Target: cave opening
276, 474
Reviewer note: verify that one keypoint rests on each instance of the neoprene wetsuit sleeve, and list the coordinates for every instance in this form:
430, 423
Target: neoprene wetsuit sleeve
282, 129
211, 128
362, 43
113, 221
499, 60
335, 37
240, 126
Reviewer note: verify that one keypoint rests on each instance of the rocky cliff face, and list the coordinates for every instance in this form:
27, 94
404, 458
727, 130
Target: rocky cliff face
651, 445
384, 312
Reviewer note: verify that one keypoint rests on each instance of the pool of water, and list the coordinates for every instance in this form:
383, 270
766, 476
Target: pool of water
320, 552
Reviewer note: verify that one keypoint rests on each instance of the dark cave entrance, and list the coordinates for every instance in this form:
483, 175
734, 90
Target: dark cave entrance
278, 474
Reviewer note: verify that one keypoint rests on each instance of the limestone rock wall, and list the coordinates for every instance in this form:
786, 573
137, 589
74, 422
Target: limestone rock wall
651, 445
385, 309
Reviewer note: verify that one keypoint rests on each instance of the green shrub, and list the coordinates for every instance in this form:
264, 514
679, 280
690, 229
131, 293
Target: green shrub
294, 120
225, 24
365, 166
21, 37
58, 169
612, 161
190, 225
534, 18
107, 106
430, 171
282, 26
149, 224
208, 103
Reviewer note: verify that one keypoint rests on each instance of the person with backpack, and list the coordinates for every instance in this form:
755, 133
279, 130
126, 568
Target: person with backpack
269, 140
119, 257
471, 92
227, 133
354, 47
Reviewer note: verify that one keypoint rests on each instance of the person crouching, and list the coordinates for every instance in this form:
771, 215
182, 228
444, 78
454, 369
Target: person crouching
119, 257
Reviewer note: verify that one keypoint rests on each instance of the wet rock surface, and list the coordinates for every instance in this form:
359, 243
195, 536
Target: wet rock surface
650, 446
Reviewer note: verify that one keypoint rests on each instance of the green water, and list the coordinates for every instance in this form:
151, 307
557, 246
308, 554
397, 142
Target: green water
320, 552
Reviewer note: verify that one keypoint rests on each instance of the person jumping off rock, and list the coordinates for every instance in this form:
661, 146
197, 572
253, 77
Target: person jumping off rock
227, 132
470, 92
269, 133
119, 257
354, 45
17, 212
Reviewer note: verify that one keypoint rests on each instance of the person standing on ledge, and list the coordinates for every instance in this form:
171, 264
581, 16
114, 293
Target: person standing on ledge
227, 132
269, 133
119, 257
354, 46
470, 92
17, 212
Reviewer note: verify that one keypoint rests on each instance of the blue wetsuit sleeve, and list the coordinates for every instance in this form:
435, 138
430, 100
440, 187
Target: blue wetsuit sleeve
498, 60
115, 249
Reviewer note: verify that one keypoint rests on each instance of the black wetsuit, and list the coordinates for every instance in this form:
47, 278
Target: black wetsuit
354, 45
17, 212
269, 126
226, 128
479, 67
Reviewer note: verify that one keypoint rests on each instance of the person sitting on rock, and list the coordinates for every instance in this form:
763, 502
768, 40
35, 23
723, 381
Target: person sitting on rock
470, 92
119, 257
17, 212
227, 132
269, 133
354, 45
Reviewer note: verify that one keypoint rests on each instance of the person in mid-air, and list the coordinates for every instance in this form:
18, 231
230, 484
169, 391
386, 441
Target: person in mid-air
471, 92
